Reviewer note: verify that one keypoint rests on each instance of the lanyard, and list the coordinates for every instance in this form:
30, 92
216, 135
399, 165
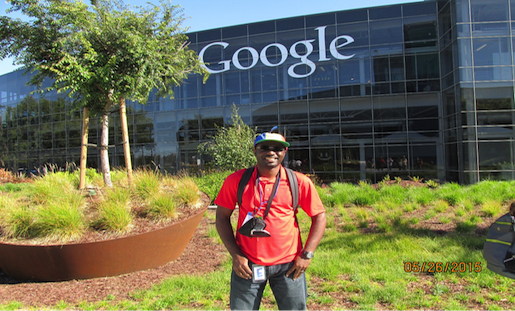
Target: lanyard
272, 195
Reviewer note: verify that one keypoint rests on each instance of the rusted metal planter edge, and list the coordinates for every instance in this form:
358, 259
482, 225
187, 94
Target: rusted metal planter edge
98, 259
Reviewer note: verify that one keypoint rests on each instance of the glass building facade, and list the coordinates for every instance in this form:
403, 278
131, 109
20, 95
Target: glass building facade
421, 89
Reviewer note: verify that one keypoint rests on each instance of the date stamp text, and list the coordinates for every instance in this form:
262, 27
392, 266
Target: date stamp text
439, 267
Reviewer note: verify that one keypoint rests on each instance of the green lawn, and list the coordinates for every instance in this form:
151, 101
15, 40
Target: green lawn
374, 241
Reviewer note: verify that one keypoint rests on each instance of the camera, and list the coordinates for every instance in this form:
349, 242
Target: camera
254, 227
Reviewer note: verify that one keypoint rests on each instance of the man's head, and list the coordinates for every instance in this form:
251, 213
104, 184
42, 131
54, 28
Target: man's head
270, 149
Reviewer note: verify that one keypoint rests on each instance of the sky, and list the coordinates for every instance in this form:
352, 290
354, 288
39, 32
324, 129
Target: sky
209, 14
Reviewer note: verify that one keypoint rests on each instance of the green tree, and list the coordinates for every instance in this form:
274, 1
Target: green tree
231, 147
101, 54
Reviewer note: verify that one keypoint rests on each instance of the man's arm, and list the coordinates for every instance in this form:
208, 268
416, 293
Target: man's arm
223, 226
316, 232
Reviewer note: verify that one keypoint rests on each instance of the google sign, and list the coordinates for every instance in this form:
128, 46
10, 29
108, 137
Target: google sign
335, 44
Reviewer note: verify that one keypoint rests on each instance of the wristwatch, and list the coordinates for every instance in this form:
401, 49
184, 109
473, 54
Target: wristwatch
306, 255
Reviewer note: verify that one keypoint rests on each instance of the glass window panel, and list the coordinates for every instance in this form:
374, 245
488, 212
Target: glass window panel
255, 80
261, 40
465, 50
232, 82
256, 98
417, 30
298, 159
270, 97
211, 123
327, 92
427, 66
353, 130
351, 16
385, 12
354, 90
324, 111
381, 88
211, 87
490, 29
392, 107
492, 155
398, 87
494, 118
354, 71
386, 32
234, 31
324, 75
293, 112
290, 23
418, 9
351, 159
493, 73
209, 35
210, 101
462, 11
489, 10
397, 68
231, 100
358, 31
325, 159
320, 19
423, 157
356, 109
265, 116
381, 70
387, 49
269, 79
463, 30
262, 27
492, 52
494, 98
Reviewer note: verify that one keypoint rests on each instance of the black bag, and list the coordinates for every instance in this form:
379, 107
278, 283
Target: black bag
255, 227
499, 248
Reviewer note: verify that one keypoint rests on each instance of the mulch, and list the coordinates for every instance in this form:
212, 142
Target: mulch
202, 255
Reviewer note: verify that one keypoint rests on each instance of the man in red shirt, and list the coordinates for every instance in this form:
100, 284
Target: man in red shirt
278, 258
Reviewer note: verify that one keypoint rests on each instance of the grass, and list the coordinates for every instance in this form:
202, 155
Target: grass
367, 257
51, 209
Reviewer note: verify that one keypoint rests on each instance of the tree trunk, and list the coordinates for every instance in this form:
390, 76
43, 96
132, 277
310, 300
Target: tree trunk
84, 148
125, 139
104, 145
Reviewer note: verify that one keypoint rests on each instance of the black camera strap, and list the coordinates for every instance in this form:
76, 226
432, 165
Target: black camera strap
272, 195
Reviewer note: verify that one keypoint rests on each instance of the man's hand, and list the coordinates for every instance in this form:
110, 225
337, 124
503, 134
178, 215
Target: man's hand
240, 265
299, 266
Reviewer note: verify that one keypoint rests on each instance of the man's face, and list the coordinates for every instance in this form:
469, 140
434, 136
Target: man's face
269, 154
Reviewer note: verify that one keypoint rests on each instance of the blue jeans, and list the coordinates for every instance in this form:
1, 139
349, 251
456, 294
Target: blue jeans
290, 294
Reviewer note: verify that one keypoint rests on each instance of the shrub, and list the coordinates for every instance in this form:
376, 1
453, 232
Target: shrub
146, 184
492, 208
212, 183
114, 211
61, 219
187, 191
15, 218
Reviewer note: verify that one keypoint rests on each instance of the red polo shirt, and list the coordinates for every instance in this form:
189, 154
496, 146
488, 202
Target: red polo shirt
285, 241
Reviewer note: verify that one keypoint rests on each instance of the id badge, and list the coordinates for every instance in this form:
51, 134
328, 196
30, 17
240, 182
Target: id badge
258, 274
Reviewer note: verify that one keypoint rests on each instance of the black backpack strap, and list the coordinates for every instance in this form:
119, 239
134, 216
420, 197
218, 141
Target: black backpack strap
292, 179
243, 182
294, 187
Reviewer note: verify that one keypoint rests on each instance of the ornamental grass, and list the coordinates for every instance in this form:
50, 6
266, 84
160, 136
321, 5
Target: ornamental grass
52, 210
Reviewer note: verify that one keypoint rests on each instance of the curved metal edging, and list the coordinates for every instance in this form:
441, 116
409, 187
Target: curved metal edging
98, 259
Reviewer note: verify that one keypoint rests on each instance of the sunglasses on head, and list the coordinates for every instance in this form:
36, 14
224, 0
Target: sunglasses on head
270, 148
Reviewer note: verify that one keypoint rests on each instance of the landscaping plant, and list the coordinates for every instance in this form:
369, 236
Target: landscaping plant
51, 209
